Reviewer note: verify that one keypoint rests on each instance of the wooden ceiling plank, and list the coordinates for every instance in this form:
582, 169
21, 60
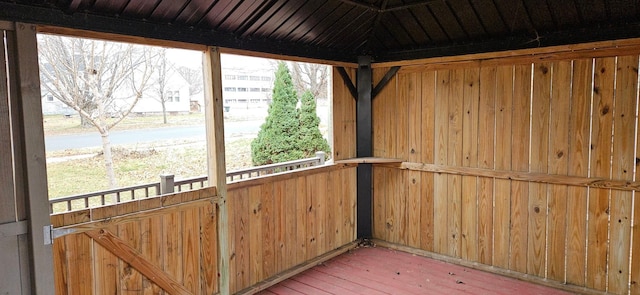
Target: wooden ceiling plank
305, 12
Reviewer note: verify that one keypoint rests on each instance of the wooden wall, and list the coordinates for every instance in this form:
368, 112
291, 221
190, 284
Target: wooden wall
278, 222
176, 234
527, 163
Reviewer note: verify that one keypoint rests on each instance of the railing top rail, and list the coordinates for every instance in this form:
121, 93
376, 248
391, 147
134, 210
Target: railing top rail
105, 192
314, 161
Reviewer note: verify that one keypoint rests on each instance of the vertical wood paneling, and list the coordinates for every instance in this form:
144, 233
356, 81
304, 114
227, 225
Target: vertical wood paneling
558, 165
232, 206
268, 230
302, 209
312, 216
151, 248
242, 238
622, 168
79, 257
539, 163
602, 121
291, 243
428, 94
209, 247
486, 142
379, 204
181, 242
343, 109
7, 198
255, 245
280, 220
502, 197
105, 268
130, 279
440, 183
414, 196
520, 139
635, 227
454, 158
172, 234
579, 166
469, 247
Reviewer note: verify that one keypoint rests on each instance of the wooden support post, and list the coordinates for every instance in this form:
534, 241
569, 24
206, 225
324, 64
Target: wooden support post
167, 182
215, 157
364, 131
34, 160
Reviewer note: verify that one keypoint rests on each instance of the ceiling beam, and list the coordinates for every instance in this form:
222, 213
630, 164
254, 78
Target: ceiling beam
593, 33
84, 21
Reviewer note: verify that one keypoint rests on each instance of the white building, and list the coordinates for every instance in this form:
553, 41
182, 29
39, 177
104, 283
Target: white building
247, 81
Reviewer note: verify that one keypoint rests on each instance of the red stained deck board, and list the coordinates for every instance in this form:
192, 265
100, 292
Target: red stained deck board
379, 270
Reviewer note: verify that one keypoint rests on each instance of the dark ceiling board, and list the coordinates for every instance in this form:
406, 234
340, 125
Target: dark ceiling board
241, 12
299, 19
219, 12
574, 36
394, 25
194, 11
287, 20
591, 10
622, 9
539, 14
109, 7
468, 18
82, 21
308, 31
411, 25
429, 23
263, 18
565, 14
254, 17
490, 17
445, 17
336, 33
514, 15
326, 25
167, 10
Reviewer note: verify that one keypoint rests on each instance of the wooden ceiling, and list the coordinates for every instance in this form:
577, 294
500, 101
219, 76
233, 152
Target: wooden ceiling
342, 30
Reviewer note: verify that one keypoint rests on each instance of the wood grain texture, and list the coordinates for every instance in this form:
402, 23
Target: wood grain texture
503, 160
579, 133
559, 124
602, 121
469, 210
520, 140
537, 228
486, 144
625, 109
130, 255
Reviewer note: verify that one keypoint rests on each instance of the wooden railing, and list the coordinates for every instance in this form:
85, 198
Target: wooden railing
167, 185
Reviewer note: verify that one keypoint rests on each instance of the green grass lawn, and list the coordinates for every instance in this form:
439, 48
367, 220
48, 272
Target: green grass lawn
134, 167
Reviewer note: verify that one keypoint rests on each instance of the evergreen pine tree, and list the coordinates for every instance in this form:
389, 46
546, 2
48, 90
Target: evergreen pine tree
276, 140
310, 139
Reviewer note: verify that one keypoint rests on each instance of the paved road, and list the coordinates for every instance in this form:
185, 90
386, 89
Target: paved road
88, 140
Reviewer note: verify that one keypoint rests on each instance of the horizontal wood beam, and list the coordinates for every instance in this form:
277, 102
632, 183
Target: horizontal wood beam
130, 255
13, 229
94, 218
594, 182
289, 175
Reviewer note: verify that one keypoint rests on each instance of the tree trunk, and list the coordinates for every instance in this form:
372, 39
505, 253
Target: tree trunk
108, 159
164, 112
84, 122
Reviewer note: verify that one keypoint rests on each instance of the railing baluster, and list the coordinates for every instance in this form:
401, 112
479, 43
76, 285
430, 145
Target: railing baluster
232, 176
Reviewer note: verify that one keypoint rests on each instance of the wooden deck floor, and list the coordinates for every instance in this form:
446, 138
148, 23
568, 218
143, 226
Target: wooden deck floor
379, 270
